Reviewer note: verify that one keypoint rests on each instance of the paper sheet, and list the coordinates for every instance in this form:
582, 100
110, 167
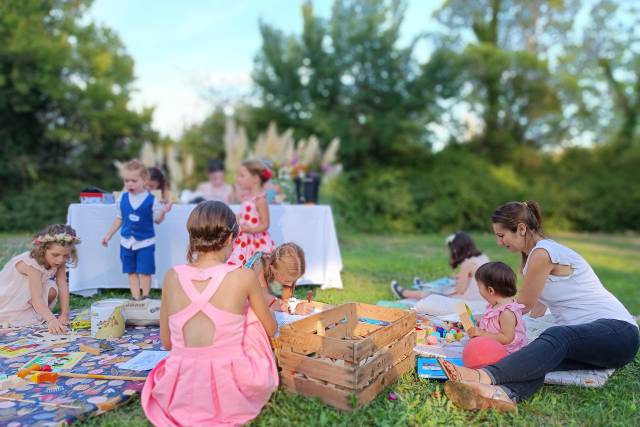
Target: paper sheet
144, 361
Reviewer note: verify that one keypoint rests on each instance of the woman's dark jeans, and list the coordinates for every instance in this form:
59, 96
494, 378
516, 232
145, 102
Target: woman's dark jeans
602, 344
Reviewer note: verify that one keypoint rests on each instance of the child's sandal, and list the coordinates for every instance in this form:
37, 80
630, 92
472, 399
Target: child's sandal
468, 396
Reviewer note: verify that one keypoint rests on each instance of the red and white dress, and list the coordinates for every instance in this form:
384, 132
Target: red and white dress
246, 244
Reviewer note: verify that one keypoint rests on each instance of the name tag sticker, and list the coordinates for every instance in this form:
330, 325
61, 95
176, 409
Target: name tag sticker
134, 217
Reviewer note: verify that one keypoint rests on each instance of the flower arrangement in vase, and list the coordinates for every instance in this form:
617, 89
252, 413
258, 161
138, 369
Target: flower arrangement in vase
303, 164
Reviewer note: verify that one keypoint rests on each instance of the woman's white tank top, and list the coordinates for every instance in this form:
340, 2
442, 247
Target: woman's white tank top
579, 297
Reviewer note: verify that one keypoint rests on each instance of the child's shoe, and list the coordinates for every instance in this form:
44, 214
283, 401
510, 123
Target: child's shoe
397, 290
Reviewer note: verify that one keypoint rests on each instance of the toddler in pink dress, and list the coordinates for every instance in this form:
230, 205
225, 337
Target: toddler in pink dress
254, 213
502, 320
32, 282
221, 370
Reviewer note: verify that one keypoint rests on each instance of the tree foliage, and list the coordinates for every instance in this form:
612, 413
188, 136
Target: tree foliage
65, 85
509, 44
349, 77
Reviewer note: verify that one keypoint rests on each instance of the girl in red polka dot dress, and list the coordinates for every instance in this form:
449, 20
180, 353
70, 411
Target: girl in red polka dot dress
254, 213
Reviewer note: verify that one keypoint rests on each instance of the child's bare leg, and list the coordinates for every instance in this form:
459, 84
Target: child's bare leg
134, 285
53, 294
401, 292
145, 284
414, 294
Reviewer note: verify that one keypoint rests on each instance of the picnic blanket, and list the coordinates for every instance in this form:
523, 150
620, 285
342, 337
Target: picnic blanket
583, 378
92, 396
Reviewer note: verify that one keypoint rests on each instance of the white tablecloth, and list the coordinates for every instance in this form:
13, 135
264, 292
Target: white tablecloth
311, 227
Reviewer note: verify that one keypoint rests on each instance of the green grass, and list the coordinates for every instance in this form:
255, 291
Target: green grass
370, 262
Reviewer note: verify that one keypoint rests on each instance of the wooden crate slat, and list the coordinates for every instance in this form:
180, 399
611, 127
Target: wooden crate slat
390, 377
339, 398
380, 313
384, 360
323, 346
328, 317
383, 336
338, 332
335, 397
364, 329
318, 368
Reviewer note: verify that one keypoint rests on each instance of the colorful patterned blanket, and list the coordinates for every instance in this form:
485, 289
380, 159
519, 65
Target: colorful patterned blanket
89, 396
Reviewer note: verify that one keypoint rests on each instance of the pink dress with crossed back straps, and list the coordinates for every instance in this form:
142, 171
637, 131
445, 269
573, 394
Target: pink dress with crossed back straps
247, 244
225, 384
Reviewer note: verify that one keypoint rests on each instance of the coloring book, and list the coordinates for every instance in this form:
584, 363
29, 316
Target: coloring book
35, 341
429, 367
58, 361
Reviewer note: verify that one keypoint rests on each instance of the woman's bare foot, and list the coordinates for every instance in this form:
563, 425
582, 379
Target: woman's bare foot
460, 373
473, 395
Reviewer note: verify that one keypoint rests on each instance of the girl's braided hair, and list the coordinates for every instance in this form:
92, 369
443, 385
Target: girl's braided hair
210, 225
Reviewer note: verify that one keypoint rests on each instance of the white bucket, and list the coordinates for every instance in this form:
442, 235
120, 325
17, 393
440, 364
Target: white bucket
107, 319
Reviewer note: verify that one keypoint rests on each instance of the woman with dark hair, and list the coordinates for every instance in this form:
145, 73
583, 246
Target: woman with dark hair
215, 188
464, 254
596, 331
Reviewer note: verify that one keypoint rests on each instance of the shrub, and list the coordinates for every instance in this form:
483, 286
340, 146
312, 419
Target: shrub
376, 200
44, 203
459, 190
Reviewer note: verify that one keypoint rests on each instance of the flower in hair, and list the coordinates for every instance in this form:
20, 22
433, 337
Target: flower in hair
267, 174
61, 238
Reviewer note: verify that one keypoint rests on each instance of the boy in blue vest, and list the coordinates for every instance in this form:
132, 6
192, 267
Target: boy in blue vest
137, 211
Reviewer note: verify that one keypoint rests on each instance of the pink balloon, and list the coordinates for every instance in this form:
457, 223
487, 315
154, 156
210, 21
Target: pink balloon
482, 351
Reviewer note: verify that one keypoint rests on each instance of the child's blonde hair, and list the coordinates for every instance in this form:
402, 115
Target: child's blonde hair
209, 225
288, 258
259, 169
136, 166
56, 234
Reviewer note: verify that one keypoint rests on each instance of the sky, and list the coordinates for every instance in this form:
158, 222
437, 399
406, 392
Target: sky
182, 48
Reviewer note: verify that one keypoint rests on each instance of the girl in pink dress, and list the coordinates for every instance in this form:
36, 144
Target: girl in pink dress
254, 213
32, 282
502, 320
213, 317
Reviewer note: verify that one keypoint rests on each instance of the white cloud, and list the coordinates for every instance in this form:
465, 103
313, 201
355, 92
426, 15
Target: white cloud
179, 97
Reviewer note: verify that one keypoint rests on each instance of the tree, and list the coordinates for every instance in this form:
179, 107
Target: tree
347, 77
507, 67
609, 52
65, 85
204, 142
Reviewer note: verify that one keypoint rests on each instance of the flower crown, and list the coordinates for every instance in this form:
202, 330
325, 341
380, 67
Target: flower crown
62, 238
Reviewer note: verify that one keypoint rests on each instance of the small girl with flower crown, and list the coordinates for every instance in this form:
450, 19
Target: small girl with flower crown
254, 213
31, 283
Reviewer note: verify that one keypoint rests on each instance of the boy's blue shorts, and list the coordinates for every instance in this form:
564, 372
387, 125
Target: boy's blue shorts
141, 261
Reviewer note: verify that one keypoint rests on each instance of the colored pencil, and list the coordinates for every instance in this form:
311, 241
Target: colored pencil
100, 377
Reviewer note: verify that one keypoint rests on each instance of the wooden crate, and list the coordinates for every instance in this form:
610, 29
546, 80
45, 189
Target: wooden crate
342, 360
